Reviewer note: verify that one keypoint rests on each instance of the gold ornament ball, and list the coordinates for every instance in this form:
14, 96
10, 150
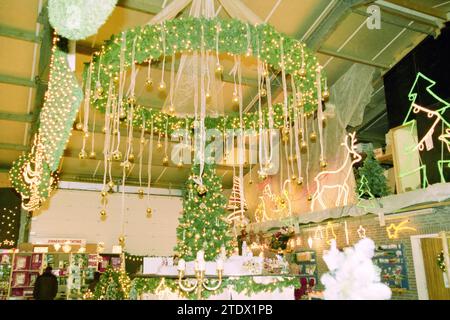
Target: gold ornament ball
122, 115
235, 100
149, 212
201, 189
166, 161
103, 213
131, 157
309, 198
180, 164
121, 240
92, 155
263, 92
149, 83
104, 129
116, 79
162, 87
142, 140
104, 194
208, 97
326, 95
219, 69
99, 91
132, 100
323, 164
117, 155
302, 72
111, 184
303, 147
299, 182
313, 137
159, 145
294, 177
197, 236
250, 181
141, 193
82, 155
189, 234
171, 109
79, 126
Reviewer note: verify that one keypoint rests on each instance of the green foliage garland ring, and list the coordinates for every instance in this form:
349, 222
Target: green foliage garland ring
185, 35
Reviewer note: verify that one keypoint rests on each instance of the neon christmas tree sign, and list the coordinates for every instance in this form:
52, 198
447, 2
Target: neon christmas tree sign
440, 121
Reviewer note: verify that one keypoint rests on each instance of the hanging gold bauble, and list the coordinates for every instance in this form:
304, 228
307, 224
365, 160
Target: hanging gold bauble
122, 115
208, 97
262, 176
235, 99
162, 87
299, 181
79, 126
141, 193
201, 189
99, 91
132, 100
104, 129
219, 69
82, 155
131, 157
263, 92
165, 161
111, 185
159, 145
122, 241
149, 83
197, 236
313, 137
171, 109
149, 212
326, 95
103, 214
323, 164
180, 164
302, 72
250, 181
116, 79
189, 234
142, 140
117, 155
309, 198
303, 147
293, 177
126, 165
92, 155
104, 194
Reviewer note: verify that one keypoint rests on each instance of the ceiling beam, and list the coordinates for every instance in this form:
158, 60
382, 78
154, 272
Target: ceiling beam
347, 57
19, 34
146, 6
420, 8
395, 23
13, 146
18, 117
43, 69
17, 81
324, 30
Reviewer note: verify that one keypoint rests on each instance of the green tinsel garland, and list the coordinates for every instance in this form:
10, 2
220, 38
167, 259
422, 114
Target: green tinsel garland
244, 285
185, 35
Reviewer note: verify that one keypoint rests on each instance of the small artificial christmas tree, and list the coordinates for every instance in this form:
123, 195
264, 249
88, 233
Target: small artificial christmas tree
203, 225
375, 180
113, 285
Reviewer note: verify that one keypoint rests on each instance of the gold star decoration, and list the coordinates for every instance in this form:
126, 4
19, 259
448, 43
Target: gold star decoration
393, 230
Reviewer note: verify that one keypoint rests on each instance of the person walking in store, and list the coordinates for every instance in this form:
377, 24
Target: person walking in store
46, 286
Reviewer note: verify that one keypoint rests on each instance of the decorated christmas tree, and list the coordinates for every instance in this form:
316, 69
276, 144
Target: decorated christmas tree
374, 178
113, 285
203, 225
